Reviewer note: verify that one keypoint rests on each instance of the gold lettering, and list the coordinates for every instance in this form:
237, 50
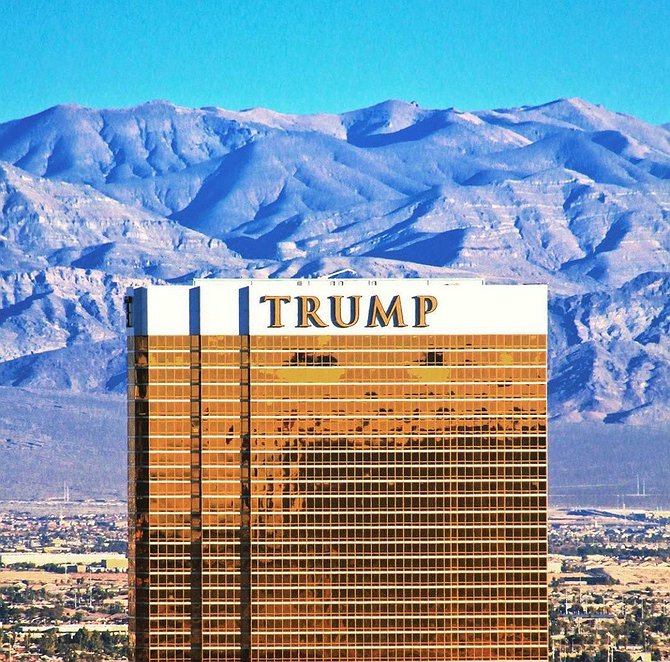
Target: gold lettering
378, 314
275, 309
425, 304
336, 310
307, 312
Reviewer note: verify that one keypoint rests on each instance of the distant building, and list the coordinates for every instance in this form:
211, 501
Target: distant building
329, 470
555, 566
115, 563
640, 657
41, 559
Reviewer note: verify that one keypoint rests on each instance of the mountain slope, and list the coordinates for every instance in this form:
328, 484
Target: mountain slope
567, 193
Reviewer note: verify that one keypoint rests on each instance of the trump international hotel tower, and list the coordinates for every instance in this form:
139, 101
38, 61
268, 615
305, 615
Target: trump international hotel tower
327, 470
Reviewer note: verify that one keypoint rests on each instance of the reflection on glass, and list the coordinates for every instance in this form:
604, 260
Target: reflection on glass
338, 498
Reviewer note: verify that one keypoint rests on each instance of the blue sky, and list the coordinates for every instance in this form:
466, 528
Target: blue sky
317, 56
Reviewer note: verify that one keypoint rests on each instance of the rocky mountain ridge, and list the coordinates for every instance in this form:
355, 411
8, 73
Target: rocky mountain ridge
567, 193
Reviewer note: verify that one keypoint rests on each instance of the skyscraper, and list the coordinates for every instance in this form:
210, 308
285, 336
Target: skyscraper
328, 470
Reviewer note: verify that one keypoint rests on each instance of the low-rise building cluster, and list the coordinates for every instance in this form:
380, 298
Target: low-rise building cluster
609, 574
63, 584
63, 581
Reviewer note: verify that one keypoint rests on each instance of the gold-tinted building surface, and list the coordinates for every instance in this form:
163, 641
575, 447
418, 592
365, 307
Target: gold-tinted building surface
323, 498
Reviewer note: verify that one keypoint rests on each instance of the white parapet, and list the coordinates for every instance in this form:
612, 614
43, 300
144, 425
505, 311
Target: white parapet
339, 307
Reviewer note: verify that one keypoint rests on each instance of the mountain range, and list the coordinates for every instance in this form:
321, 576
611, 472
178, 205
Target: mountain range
93, 201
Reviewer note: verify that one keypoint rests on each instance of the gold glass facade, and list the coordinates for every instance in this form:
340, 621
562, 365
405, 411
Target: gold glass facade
338, 497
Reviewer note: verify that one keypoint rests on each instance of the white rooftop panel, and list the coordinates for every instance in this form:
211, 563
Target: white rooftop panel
340, 307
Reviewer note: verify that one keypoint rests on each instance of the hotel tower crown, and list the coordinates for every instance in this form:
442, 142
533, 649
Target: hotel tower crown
329, 470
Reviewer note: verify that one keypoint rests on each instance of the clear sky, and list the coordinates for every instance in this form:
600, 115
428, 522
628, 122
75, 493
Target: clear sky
306, 56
